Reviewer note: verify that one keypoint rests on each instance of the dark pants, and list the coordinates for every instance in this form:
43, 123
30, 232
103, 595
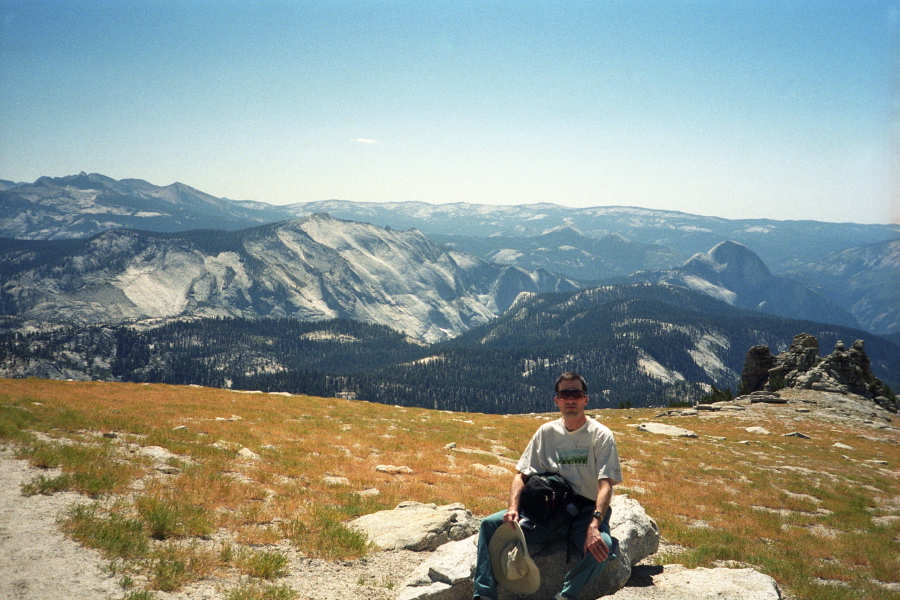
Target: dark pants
577, 577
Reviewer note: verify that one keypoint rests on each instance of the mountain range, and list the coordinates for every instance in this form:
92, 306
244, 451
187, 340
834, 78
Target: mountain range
312, 268
843, 273
247, 295
85, 204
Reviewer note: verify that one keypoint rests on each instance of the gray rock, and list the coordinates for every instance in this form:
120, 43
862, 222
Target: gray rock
248, 454
447, 574
663, 429
416, 526
675, 582
637, 533
157, 453
333, 480
757, 363
758, 430
767, 397
394, 470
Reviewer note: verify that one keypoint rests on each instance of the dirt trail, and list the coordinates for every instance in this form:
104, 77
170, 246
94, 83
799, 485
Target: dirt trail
36, 561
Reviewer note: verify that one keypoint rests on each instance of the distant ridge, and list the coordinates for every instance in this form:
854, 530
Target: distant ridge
311, 269
586, 245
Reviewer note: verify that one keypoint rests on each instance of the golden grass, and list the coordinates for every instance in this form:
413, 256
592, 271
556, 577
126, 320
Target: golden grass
815, 517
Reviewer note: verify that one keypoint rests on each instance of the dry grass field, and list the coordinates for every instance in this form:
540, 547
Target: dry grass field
823, 520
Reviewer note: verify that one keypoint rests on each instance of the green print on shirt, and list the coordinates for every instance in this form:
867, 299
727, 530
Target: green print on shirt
572, 456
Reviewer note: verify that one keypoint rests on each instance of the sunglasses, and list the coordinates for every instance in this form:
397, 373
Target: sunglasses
576, 394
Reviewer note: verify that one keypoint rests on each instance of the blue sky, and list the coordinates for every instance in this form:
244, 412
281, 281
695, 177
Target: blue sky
739, 109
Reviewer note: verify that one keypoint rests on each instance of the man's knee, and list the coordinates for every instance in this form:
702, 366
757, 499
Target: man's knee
490, 524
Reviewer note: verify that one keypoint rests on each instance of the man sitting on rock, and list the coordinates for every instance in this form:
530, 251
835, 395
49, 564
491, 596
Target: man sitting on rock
584, 453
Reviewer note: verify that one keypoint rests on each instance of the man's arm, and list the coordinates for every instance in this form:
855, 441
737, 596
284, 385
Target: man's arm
593, 543
604, 495
515, 493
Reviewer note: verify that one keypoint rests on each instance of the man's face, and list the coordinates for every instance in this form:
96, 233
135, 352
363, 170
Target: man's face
567, 399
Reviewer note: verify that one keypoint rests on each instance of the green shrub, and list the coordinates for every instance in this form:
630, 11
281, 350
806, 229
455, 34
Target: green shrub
47, 486
777, 382
169, 571
88, 469
171, 517
111, 533
14, 421
256, 591
679, 404
336, 540
264, 565
716, 395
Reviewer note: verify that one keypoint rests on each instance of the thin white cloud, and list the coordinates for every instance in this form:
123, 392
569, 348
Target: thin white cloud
366, 141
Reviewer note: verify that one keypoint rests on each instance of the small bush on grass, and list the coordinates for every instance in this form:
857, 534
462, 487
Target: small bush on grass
87, 469
263, 565
173, 565
335, 539
112, 534
257, 591
47, 486
326, 536
168, 572
14, 420
171, 517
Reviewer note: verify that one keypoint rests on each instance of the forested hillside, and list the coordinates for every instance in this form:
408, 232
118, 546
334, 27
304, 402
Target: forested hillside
638, 345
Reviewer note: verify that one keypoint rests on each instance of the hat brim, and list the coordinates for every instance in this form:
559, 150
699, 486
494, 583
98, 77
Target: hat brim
509, 533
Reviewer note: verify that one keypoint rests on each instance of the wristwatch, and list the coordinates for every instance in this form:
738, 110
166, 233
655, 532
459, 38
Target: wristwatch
598, 515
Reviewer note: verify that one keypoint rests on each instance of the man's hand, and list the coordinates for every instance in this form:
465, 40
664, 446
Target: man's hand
593, 543
515, 492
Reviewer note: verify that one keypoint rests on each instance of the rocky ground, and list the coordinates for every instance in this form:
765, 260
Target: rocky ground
39, 563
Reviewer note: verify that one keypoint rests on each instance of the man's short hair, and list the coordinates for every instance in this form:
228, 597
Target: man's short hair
571, 376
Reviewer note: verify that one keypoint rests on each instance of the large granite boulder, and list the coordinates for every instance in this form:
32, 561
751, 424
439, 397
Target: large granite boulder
447, 574
676, 582
757, 364
416, 526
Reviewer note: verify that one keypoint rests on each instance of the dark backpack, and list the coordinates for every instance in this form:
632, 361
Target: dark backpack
548, 500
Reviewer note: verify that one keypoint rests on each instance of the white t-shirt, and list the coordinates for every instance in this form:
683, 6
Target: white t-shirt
582, 457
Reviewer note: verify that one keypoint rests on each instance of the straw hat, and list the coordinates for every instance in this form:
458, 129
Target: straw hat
513, 568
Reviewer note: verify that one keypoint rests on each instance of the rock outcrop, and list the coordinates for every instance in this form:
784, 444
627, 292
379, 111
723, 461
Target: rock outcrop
757, 364
416, 526
844, 371
663, 429
675, 582
447, 574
